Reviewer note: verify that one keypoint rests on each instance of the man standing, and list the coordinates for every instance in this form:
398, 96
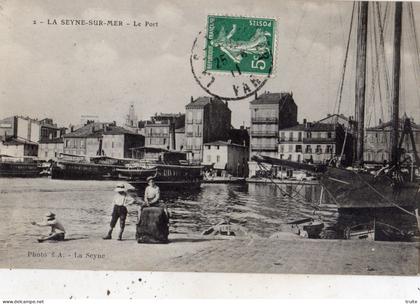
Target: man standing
57, 229
121, 200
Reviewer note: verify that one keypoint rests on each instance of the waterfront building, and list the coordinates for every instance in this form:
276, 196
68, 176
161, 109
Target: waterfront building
19, 148
50, 149
337, 119
104, 139
378, 141
22, 128
207, 119
225, 157
160, 131
270, 112
50, 130
19, 136
312, 142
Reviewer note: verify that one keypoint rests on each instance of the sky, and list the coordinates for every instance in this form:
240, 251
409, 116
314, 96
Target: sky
63, 72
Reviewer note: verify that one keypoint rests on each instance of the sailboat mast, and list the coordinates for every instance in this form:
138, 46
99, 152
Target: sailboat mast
396, 83
361, 79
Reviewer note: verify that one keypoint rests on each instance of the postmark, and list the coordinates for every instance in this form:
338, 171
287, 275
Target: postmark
234, 57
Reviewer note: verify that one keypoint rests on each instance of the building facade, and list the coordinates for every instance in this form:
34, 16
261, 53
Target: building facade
160, 131
378, 141
226, 157
50, 149
207, 119
270, 112
102, 139
180, 139
311, 142
18, 148
19, 136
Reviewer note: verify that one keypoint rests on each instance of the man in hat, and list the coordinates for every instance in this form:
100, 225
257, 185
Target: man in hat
121, 200
57, 229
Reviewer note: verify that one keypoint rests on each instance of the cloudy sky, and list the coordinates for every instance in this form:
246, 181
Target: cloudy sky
63, 72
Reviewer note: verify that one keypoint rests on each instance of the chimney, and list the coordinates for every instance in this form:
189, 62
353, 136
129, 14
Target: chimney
229, 141
192, 99
71, 128
380, 121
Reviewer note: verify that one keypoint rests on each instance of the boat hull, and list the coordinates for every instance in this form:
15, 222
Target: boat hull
18, 169
170, 177
352, 189
80, 171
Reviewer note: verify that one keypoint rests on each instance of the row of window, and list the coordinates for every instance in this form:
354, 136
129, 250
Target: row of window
80, 144
308, 149
291, 136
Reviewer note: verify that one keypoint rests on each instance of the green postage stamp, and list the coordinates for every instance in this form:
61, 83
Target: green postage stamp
240, 44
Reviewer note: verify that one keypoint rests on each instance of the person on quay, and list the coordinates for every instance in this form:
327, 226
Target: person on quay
152, 192
153, 219
151, 196
57, 229
121, 200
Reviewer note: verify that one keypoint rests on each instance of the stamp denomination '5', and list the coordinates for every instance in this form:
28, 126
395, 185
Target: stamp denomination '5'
240, 44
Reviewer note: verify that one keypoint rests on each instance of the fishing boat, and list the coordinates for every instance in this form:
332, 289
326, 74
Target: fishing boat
393, 184
307, 227
360, 232
170, 169
19, 166
70, 166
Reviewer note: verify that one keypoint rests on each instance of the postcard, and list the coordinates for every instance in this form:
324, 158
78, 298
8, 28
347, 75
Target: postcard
210, 136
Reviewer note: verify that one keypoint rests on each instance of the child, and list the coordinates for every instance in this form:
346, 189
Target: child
57, 229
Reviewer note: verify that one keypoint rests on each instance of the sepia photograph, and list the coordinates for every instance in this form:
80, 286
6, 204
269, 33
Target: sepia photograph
268, 137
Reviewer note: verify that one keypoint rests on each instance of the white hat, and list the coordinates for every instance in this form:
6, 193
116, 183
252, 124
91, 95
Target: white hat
123, 188
49, 215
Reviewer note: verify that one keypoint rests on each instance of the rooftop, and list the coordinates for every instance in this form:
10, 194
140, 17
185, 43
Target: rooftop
18, 141
222, 143
313, 127
272, 98
51, 141
98, 129
202, 101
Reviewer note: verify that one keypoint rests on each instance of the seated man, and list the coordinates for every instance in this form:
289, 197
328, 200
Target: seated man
57, 229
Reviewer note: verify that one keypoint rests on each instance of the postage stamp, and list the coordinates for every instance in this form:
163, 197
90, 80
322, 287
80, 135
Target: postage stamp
243, 44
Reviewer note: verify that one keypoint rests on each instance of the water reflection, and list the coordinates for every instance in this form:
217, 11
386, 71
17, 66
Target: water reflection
85, 208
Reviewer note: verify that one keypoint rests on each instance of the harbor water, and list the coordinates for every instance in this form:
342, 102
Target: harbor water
85, 207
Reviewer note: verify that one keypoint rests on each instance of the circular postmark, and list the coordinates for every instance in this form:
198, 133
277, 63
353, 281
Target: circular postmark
233, 65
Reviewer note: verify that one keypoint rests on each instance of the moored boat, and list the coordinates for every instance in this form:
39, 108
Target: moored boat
170, 169
78, 167
19, 167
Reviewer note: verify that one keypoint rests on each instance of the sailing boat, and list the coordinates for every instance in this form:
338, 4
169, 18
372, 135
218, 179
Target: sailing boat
390, 186
355, 187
